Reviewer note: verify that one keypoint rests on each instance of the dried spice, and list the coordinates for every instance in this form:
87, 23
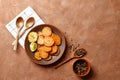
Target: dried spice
72, 45
80, 67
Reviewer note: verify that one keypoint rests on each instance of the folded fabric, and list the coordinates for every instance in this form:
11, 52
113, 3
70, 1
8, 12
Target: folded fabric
27, 13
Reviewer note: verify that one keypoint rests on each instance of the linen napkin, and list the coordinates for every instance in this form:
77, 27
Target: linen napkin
25, 14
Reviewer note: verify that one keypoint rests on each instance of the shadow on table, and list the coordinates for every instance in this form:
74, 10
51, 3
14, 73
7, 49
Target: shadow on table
89, 76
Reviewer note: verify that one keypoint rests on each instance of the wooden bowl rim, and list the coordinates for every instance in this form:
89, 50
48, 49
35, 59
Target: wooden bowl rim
62, 45
88, 65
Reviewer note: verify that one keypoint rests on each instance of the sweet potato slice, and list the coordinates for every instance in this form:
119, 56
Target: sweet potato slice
54, 49
46, 31
56, 38
48, 41
37, 56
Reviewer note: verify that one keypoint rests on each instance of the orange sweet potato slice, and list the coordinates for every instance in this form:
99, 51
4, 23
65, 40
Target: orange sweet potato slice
37, 56
57, 53
54, 49
40, 40
43, 54
56, 38
49, 58
45, 48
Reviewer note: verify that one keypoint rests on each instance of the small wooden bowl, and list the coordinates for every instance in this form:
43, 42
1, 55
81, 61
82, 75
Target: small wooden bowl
87, 70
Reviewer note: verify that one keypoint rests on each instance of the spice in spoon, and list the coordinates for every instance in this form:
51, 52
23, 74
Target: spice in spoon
80, 52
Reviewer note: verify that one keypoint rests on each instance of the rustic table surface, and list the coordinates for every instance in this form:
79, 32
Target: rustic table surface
93, 24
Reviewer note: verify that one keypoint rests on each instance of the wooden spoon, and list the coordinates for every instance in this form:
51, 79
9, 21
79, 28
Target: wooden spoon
19, 24
29, 23
77, 54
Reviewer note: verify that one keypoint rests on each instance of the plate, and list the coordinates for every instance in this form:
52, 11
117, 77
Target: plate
54, 58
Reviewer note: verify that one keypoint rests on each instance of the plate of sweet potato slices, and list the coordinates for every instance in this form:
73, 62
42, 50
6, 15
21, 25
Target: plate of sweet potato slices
45, 44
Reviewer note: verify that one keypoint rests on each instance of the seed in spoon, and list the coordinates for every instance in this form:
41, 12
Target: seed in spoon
80, 52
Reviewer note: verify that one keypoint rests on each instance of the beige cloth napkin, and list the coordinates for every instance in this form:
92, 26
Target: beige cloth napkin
28, 12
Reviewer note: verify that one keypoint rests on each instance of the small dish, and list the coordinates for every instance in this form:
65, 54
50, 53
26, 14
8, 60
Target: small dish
81, 67
54, 58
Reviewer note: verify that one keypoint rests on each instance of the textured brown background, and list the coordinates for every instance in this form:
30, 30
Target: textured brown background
94, 24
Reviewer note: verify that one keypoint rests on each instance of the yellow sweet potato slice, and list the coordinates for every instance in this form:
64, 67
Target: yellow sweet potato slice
40, 40
48, 41
46, 31
32, 37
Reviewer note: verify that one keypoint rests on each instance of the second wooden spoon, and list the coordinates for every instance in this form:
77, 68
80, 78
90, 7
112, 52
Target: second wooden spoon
77, 54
